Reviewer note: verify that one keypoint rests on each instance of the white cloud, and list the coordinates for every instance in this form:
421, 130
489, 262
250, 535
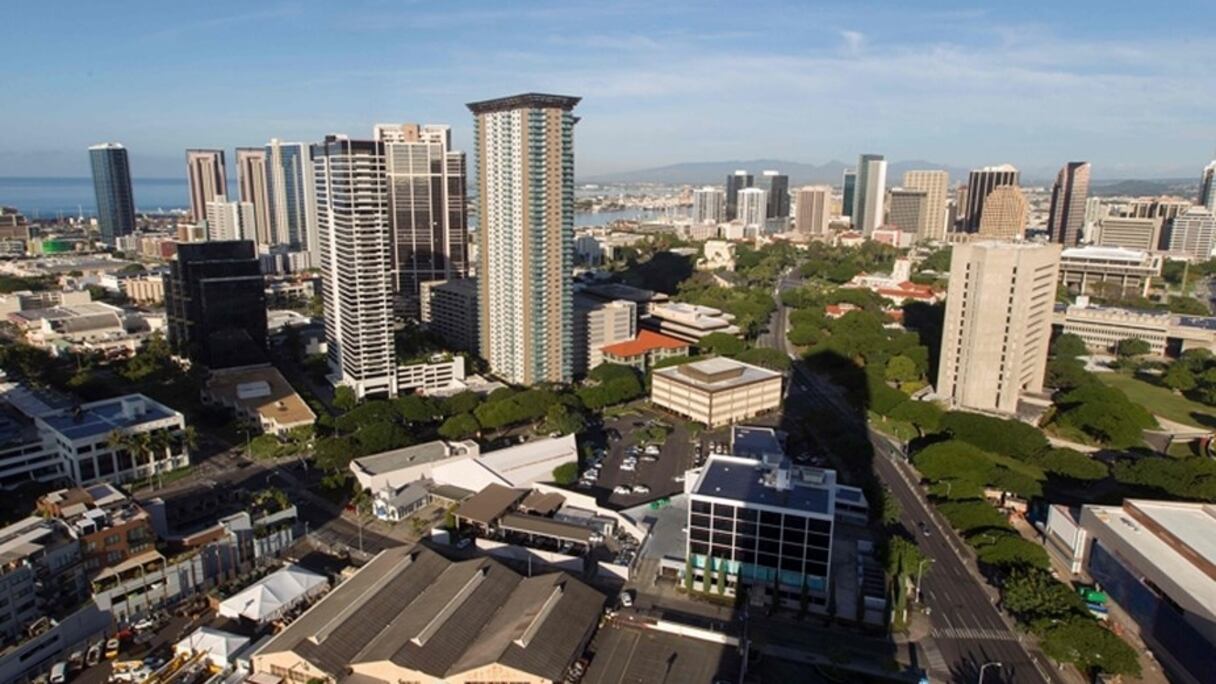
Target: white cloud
853, 41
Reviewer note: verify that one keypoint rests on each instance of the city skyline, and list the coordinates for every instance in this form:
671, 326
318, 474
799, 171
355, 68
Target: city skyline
1012, 80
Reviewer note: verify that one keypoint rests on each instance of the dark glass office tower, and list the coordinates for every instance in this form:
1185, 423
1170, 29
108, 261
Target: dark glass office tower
734, 183
777, 185
848, 187
215, 300
112, 187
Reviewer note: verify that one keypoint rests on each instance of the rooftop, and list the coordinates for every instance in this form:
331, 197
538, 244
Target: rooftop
747, 480
418, 611
647, 340
545, 527
262, 390
389, 461
1105, 254
717, 374
524, 100
622, 291
489, 504
756, 442
103, 417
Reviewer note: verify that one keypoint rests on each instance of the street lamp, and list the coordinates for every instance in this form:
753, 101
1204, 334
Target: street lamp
985, 666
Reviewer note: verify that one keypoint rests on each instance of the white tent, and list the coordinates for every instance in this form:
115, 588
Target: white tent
274, 594
221, 647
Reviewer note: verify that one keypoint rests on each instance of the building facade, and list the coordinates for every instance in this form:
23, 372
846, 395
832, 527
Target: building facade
1109, 271
1129, 233
777, 185
215, 304
753, 207
908, 211
231, 220
252, 186
1207, 187
430, 233
717, 391
356, 263
449, 309
870, 192
812, 210
936, 186
848, 191
980, 183
1005, 213
525, 175
1193, 234
1068, 197
998, 323
708, 205
596, 324
290, 192
734, 183
207, 178
112, 190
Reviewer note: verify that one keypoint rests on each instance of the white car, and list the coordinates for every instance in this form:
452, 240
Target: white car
628, 466
146, 623
653, 450
641, 489
626, 598
622, 489
595, 538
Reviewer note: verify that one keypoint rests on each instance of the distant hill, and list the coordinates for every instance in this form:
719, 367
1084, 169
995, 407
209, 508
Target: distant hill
715, 172
1185, 187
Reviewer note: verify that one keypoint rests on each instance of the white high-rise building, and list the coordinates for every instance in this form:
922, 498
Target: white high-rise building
812, 209
870, 192
291, 198
230, 220
753, 207
1193, 234
936, 186
525, 177
998, 323
356, 268
1207, 187
708, 205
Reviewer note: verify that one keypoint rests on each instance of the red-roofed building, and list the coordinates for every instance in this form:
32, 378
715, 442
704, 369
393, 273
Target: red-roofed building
644, 350
838, 310
908, 291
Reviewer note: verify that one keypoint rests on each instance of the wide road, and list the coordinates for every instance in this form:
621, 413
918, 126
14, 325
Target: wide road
968, 629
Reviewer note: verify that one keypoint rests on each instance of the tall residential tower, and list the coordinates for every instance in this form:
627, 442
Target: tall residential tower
734, 183
112, 188
1068, 196
208, 179
525, 177
251, 180
870, 192
289, 187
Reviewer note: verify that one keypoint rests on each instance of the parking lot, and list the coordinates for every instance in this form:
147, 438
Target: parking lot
625, 464
623, 655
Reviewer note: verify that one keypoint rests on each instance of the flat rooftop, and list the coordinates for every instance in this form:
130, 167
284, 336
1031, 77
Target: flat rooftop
716, 374
262, 390
628, 654
747, 480
389, 461
103, 417
755, 442
1105, 254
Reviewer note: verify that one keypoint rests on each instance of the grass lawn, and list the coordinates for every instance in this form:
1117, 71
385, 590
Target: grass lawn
898, 429
1161, 401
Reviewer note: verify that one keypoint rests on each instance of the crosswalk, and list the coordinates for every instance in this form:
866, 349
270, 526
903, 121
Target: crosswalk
936, 664
976, 634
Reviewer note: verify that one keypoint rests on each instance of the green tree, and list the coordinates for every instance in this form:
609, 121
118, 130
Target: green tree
264, 446
344, 398
1105, 414
722, 578
1009, 550
1068, 346
970, 516
1179, 378
415, 408
925, 415
901, 369
1009, 437
1033, 594
375, 438
688, 574
1131, 347
889, 508
765, 357
1089, 646
1071, 464
463, 402
562, 419
721, 344
459, 426
566, 474
1192, 479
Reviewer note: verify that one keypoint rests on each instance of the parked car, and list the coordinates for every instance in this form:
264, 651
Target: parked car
111, 649
595, 538
93, 655
653, 450
627, 598
146, 623
628, 465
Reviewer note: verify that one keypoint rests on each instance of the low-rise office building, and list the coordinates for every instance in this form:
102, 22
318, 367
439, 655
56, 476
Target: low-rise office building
643, 351
717, 391
597, 323
393, 470
261, 395
1140, 234
688, 322
412, 615
449, 309
1102, 328
436, 373
1109, 271
108, 524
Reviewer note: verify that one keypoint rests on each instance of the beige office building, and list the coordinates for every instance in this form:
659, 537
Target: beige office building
251, 183
525, 178
208, 180
717, 391
1109, 271
907, 210
596, 324
812, 208
1129, 233
1165, 208
936, 186
998, 323
1004, 214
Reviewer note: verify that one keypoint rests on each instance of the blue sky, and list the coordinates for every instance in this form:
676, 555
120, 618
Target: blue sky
1130, 88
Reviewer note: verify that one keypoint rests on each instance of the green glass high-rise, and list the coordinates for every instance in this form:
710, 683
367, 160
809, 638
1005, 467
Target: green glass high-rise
112, 188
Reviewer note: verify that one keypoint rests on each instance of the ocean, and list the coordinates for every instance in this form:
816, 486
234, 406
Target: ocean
49, 197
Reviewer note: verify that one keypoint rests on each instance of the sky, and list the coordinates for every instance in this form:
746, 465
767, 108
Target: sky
1129, 87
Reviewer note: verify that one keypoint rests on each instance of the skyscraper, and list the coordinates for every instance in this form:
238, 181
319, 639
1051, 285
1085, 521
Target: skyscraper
734, 183
208, 178
427, 208
1005, 213
708, 205
353, 227
525, 177
289, 187
753, 207
1068, 196
869, 194
1193, 234
1207, 187
848, 190
812, 210
777, 185
215, 303
112, 188
936, 186
979, 184
251, 180
909, 211
998, 323
230, 220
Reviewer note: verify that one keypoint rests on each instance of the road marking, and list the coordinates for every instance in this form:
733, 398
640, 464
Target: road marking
973, 634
